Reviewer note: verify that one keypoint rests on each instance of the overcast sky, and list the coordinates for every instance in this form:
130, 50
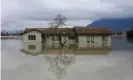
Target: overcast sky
19, 14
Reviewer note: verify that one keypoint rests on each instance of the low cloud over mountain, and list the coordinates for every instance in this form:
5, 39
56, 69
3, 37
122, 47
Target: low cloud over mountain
18, 14
115, 25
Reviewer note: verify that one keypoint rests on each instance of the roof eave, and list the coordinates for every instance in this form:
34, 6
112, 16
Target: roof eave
94, 34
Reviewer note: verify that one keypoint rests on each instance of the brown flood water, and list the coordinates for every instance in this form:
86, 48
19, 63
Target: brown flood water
64, 64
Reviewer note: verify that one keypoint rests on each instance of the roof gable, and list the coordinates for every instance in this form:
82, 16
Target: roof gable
27, 30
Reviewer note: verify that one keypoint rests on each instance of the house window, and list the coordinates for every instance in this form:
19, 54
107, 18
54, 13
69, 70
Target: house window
32, 37
104, 38
31, 47
92, 39
88, 39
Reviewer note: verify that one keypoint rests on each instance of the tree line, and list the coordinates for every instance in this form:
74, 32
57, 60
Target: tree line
6, 33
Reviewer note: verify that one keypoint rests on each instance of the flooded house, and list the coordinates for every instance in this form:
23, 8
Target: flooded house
93, 37
82, 37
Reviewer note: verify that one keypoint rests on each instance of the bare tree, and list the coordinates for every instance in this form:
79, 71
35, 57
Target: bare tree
61, 61
51, 24
57, 23
60, 20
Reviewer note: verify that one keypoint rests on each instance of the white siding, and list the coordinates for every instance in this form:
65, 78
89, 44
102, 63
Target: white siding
98, 42
82, 42
38, 36
52, 43
109, 42
49, 41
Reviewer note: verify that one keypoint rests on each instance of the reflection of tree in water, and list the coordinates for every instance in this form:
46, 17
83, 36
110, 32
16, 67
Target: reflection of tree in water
61, 62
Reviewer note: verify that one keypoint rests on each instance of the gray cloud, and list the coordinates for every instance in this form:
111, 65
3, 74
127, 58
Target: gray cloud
18, 14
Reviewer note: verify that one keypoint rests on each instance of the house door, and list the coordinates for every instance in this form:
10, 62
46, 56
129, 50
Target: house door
90, 41
43, 37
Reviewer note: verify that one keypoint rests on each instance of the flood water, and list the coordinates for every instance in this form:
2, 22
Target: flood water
109, 64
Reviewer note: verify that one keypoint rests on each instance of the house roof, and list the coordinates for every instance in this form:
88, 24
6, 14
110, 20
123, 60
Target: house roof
60, 30
92, 31
41, 30
78, 30
50, 30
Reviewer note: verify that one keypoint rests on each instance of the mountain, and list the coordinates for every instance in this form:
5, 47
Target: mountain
116, 25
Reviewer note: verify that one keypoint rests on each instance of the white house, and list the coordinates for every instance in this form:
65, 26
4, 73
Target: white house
83, 37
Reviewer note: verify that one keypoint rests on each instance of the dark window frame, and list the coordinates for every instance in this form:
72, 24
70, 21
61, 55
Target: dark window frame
104, 38
92, 39
88, 39
31, 37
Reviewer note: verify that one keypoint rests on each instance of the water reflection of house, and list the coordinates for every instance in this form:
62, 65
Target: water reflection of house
32, 48
39, 48
62, 57
84, 36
